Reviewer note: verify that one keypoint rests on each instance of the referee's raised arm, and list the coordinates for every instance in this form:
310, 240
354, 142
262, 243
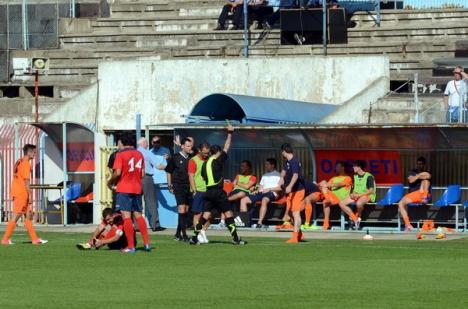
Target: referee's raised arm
227, 143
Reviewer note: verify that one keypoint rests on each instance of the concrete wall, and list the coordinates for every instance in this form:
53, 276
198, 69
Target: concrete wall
163, 90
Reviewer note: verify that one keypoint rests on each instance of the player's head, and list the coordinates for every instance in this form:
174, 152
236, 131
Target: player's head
126, 139
287, 150
29, 150
246, 167
421, 164
359, 166
186, 145
204, 149
340, 167
270, 164
156, 142
215, 150
108, 215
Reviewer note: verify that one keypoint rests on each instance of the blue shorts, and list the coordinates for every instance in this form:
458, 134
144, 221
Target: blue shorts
128, 202
259, 196
198, 203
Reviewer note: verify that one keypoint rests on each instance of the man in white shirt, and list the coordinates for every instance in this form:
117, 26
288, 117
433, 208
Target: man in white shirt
455, 96
268, 191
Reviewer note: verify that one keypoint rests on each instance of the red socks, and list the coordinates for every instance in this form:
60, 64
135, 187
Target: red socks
143, 229
129, 232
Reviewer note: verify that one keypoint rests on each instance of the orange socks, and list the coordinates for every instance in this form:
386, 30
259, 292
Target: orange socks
9, 230
308, 213
353, 217
29, 227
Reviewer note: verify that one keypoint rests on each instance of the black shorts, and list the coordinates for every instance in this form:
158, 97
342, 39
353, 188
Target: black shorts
235, 191
182, 194
217, 199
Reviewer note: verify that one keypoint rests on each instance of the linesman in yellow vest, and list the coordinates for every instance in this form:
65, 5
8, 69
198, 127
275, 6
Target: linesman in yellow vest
215, 197
362, 193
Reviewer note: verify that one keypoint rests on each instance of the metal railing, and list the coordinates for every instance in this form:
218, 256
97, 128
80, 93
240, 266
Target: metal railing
433, 4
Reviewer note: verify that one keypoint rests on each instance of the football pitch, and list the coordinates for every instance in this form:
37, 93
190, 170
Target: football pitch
266, 273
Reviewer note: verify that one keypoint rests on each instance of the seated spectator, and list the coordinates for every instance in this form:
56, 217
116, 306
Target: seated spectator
244, 182
234, 10
363, 192
333, 4
276, 5
258, 11
110, 232
268, 191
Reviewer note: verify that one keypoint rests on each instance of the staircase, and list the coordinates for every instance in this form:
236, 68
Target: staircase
183, 29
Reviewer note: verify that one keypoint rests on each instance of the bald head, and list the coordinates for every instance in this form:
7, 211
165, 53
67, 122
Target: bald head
142, 142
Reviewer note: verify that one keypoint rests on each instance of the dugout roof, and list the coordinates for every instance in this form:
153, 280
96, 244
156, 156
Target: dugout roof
250, 109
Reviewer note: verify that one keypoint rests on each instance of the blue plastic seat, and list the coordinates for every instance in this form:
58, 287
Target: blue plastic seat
451, 196
394, 195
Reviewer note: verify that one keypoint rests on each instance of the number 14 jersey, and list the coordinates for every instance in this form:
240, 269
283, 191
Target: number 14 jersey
131, 164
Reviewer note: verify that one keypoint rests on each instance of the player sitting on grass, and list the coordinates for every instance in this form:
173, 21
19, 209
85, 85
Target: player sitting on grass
110, 232
334, 191
363, 192
268, 191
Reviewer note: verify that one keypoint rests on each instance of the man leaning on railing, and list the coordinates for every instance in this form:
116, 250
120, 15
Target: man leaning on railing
455, 96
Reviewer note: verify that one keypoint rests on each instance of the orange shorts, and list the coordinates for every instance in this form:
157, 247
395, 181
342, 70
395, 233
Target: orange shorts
318, 196
331, 198
20, 205
294, 200
417, 196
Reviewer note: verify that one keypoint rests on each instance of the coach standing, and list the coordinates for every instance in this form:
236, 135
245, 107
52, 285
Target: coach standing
179, 185
149, 192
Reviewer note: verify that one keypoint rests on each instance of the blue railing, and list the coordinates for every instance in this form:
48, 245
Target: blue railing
427, 4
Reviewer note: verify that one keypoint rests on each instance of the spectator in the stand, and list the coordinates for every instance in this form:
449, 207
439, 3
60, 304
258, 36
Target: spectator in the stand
232, 9
259, 10
277, 5
455, 95
318, 3
158, 149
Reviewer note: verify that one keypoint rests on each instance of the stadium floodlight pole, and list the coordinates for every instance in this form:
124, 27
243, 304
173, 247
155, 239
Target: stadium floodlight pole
246, 31
324, 26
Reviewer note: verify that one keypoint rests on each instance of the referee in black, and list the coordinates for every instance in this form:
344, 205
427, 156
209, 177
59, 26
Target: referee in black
215, 197
179, 185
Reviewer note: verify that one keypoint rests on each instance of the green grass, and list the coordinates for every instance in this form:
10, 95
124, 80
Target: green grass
264, 274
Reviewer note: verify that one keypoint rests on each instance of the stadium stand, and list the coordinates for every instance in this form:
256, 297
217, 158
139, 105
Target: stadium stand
412, 39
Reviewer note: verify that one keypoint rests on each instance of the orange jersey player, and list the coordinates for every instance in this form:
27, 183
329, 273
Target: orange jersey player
22, 197
334, 191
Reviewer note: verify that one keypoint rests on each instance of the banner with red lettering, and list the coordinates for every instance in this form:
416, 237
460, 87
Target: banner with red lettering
384, 165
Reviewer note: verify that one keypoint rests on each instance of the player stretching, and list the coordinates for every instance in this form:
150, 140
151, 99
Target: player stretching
128, 171
215, 197
419, 187
22, 197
